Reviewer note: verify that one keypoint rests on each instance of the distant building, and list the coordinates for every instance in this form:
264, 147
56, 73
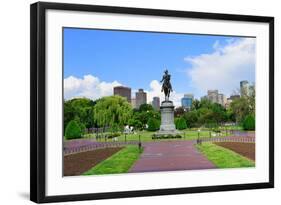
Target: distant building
133, 102
221, 99
123, 91
215, 97
156, 103
141, 98
252, 90
186, 101
228, 102
244, 88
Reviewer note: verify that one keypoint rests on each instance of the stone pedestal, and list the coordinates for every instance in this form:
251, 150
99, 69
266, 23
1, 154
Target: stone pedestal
167, 126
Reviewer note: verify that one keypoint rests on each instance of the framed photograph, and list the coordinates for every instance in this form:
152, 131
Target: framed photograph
129, 102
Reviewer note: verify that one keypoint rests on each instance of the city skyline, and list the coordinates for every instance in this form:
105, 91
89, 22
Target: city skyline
210, 95
97, 60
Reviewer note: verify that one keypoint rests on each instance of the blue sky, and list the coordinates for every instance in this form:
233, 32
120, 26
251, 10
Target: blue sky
135, 59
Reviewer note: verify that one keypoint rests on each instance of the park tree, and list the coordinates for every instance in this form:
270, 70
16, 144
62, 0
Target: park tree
244, 106
112, 110
179, 111
69, 113
73, 130
145, 108
206, 103
195, 104
135, 123
218, 113
251, 98
153, 124
81, 108
141, 116
240, 108
191, 118
249, 123
205, 115
180, 123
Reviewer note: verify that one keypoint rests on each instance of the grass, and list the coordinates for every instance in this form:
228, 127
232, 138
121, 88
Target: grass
120, 162
146, 136
222, 157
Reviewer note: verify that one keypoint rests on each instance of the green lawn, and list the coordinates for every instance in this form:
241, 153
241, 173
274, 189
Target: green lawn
120, 162
222, 157
146, 136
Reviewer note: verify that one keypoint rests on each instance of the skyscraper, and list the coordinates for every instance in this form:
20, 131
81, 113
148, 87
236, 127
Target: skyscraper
123, 91
213, 96
221, 99
140, 98
186, 101
244, 88
156, 103
133, 102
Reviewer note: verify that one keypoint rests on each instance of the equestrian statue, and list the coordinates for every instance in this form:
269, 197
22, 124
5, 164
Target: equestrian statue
166, 86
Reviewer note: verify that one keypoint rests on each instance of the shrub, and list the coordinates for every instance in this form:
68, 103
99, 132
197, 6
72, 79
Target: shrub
112, 135
154, 136
153, 124
181, 123
249, 123
73, 130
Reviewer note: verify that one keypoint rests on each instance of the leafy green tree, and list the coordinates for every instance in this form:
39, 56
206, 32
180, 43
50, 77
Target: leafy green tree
112, 110
81, 108
219, 113
240, 108
230, 116
205, 103
135, 123
141, 117
191, 118
153, 124
249, 123
205, 116
251, 99
179, 111
244, 106
180, 123
69, 113
73, 130
145, 107
195, 104
115, 128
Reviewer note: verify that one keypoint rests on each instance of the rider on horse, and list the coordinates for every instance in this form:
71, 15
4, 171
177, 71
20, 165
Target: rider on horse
166, 87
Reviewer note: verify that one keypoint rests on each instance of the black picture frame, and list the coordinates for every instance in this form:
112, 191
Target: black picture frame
38, 101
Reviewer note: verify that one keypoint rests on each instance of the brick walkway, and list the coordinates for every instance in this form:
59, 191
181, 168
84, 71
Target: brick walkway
170, 156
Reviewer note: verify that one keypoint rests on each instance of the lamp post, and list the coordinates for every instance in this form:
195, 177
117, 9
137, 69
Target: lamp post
139, 143
198, 137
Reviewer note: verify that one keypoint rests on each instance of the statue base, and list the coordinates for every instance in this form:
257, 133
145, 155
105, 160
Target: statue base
167, 126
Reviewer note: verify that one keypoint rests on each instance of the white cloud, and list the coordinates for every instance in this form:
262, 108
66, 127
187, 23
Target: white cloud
155, 91
89, 86
225, 67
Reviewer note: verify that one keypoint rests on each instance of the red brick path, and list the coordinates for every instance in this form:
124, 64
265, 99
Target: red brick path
169, 156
